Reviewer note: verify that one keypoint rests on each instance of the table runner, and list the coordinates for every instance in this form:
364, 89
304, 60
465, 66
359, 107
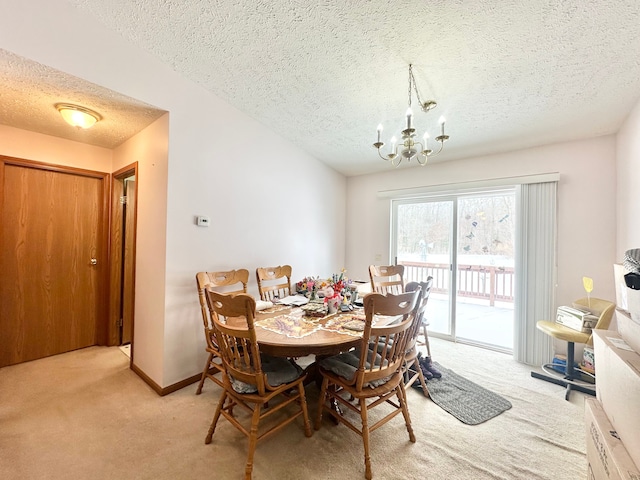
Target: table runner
339, 322
295, 326
275, 308
298, 326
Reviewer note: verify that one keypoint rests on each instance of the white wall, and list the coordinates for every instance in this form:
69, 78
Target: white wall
628, 175
269, 202
149, 149
18, 143
586, 207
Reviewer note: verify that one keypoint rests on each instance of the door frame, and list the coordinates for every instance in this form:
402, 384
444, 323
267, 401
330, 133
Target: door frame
454, 196
116, 239
102, 327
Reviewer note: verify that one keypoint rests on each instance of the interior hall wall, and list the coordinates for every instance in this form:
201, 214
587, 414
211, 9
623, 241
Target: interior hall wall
268, 201
586, 207
15, 142
628, 177
149, 148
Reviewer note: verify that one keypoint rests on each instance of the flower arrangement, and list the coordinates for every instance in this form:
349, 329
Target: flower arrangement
329, 288
308, 285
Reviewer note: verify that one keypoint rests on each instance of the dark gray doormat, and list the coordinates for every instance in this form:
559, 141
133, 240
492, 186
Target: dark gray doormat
468, 402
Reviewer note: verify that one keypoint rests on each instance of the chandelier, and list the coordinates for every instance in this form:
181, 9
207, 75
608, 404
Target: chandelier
409, 148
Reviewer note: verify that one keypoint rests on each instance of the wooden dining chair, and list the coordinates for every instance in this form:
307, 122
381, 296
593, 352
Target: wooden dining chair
424, 322
232, 281
253, 380
412, 370
274, 282
371, 376
387, 278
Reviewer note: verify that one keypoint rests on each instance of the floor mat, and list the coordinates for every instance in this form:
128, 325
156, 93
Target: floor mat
467, 401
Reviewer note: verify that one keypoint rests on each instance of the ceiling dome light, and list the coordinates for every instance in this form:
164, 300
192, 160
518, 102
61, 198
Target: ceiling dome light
78, 116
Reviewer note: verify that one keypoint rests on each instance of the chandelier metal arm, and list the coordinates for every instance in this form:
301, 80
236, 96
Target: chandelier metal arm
439, 150
411, 150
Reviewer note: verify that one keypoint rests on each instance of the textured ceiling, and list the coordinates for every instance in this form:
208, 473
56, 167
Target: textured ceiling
29, 91
506, 74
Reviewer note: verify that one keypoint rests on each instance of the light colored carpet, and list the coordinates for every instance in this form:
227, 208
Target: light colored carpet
85, 415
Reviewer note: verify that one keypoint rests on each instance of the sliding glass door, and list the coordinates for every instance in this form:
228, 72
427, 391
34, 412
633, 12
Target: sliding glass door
423, 241
485, 293
466, 243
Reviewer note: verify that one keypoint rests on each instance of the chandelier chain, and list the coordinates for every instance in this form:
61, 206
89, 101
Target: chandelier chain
412, 80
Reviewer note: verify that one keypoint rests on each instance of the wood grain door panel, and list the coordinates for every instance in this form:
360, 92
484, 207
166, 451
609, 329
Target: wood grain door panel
129, 259
50, 292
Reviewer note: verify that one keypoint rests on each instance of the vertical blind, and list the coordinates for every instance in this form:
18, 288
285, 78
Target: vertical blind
535, 270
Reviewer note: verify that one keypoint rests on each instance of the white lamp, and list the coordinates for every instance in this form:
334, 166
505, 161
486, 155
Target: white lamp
78, 116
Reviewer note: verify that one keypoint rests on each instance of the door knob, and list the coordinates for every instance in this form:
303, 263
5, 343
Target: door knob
94, 261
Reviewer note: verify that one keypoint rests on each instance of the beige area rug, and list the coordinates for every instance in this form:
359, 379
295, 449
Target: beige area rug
85, 415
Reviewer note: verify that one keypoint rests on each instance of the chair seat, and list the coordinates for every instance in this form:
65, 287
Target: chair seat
345, 365
561, 332
278, 371
371, 390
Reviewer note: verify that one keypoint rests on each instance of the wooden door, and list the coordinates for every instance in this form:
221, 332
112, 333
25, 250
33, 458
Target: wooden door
129, 260
122, 241
52, 253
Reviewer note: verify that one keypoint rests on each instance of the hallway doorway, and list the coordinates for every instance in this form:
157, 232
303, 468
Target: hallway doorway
123, 241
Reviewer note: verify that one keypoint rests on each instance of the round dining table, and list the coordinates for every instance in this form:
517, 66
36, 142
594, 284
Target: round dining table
320, 342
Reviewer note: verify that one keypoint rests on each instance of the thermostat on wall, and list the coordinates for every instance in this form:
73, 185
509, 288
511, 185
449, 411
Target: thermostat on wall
202, 221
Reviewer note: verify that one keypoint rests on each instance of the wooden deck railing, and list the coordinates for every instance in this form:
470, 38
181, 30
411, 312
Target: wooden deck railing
474, 281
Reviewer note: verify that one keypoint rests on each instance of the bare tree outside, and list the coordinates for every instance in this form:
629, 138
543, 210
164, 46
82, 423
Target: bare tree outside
485, 231
485, 258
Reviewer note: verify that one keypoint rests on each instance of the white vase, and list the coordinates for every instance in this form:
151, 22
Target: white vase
333, 304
